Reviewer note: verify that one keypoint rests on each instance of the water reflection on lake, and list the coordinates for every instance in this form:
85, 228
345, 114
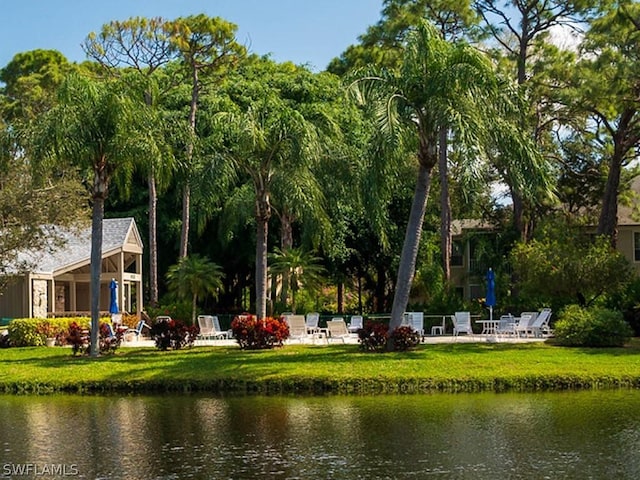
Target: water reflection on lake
573, 435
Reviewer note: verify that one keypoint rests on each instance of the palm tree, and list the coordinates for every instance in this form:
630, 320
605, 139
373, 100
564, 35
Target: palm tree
439, 85
192, 277
143, 46
267, 141
297, 268
93, 127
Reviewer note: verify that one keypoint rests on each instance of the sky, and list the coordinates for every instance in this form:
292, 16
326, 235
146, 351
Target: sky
310, 32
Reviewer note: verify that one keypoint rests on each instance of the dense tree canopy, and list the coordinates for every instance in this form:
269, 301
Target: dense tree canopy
265, 155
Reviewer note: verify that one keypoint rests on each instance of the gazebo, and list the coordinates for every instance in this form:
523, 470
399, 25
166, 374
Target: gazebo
57, 284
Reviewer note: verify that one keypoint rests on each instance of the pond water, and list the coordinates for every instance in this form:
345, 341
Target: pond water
572, 435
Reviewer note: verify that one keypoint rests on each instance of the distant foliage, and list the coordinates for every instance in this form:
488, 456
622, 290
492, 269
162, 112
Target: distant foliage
254, 334
173, 334
567, 267
591, 327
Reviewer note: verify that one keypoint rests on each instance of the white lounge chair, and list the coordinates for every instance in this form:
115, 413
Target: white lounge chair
208, 328
312, 320
337, 330
415, 320
506, 325
525, 321
297, 327
461, 323
540, 325
356, 323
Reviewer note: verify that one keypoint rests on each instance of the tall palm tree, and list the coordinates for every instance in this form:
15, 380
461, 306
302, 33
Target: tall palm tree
143, 46
192, 277
93, 128
439, 85
267, 141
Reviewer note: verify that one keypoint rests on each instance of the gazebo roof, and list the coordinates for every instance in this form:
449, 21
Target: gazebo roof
118, 234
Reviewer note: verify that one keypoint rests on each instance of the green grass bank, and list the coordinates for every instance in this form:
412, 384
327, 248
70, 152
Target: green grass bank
318, 370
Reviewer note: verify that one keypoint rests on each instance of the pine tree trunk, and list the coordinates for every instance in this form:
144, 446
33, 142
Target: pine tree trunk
608, 222
445, 205
153, 241
186, 193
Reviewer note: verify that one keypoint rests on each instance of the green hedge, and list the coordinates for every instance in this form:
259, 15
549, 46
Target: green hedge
30, 332
591, 327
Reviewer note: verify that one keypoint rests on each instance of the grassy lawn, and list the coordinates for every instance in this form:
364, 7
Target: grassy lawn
328, 369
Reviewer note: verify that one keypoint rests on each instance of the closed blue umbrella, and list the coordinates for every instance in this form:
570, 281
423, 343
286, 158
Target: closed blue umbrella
490, 299
113, 303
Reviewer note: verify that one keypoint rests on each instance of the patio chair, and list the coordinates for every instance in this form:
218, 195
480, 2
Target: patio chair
525, 321
297, 327
415, 320
506, 325
337, 330
208, 329
136, 331
312, 321
540, 325
356, 323
461, 323
216, 326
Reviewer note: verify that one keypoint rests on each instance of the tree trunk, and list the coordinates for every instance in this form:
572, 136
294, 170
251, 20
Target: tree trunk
186, 193
184, 236
263, 213
410, 247
286, 243
153, 240
99, 194
194, 306
608, 222
380, 299
340, 299
445, 205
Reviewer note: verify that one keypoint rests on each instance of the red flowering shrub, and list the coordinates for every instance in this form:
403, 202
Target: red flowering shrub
254, 334
173, 334
80, 339
405, 338
373, 337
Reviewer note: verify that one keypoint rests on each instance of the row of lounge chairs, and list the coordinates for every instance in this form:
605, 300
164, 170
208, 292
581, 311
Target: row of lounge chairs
304, 327
535, 324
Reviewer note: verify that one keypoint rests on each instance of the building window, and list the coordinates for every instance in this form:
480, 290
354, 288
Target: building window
636, 246
457, 248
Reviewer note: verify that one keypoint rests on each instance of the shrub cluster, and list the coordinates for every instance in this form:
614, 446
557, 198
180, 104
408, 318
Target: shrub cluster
405, 338
173, 334
79, 337
254, 334
32, 332
375, 336
591, 327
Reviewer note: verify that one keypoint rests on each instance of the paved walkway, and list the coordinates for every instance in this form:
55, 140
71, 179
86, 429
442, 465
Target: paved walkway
353, 339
